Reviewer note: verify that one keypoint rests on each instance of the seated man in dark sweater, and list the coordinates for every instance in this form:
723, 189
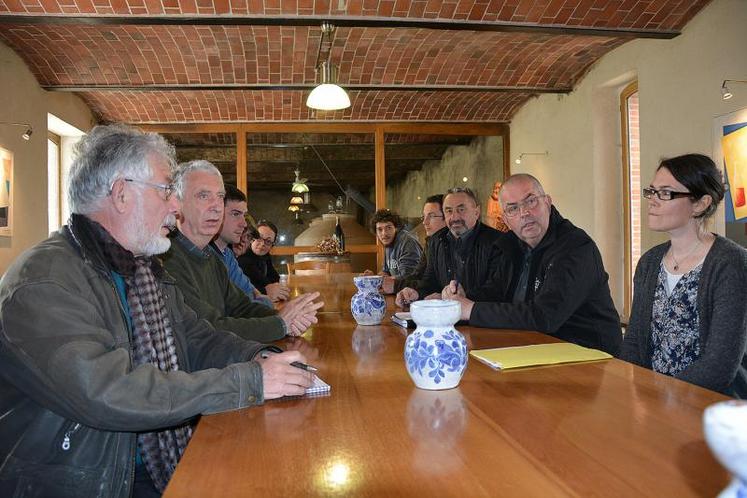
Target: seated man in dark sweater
550, 276
257, 262
465, 252
433, 221
203, 278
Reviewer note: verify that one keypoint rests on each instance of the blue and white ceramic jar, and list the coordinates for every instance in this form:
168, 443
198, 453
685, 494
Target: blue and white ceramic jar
436, 353
368, 305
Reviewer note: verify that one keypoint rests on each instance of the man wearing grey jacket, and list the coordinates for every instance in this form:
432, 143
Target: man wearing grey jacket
402, 251
103, 368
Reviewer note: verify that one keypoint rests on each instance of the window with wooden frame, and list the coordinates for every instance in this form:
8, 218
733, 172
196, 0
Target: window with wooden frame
631, 160
54, 169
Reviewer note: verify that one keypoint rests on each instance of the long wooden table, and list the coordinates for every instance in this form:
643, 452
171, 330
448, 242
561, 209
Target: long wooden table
594, 429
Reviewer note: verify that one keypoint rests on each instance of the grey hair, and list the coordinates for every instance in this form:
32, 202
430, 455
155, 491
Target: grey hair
108, 153
521, 177
464, 190
184, 169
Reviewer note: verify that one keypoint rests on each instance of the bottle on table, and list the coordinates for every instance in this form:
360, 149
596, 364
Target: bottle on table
340, 235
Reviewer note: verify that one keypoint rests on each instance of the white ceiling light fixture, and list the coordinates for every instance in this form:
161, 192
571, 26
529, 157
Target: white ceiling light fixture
328, 95
521, 156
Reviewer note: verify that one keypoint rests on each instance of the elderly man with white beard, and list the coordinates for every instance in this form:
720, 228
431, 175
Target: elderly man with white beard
103, 368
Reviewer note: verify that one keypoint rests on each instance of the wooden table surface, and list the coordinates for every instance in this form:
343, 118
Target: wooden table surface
605, 428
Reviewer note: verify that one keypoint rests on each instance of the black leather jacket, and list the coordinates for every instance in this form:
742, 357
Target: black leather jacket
70, 402
480, 262
568, 295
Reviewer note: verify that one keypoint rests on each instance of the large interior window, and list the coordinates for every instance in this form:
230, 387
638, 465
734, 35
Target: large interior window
631, 144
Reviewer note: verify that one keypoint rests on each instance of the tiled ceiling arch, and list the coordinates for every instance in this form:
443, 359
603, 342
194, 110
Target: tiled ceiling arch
251, 60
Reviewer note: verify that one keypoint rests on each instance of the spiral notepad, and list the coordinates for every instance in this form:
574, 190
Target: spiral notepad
318, 387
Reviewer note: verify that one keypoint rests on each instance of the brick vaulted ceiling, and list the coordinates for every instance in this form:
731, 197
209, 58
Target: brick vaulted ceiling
168, 61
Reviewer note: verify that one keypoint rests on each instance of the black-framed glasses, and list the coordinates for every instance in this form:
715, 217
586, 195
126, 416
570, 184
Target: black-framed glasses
267, 242
663, 194
528, 204
166, 188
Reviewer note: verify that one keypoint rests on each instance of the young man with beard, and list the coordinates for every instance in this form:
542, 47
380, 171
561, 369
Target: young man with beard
402, 251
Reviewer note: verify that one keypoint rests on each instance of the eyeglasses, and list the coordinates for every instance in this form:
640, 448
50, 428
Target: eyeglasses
267, 242
431, 217
527, 204
664, 195
166, 188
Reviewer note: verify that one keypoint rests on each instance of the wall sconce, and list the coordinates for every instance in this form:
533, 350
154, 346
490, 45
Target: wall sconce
518, 159
28, 130
725, 91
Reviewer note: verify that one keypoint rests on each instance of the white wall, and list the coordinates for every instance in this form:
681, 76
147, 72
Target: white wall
22, 100
679, 83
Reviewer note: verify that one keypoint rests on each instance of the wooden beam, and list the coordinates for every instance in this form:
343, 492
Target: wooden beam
351, 87
380, 185
339, 21
241, 159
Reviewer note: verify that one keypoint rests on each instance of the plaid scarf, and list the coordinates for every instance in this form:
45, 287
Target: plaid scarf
152, 342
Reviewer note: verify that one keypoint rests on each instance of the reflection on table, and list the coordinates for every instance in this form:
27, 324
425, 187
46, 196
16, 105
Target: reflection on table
603, 428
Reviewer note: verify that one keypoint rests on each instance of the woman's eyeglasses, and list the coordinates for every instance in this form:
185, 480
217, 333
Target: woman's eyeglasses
664, 195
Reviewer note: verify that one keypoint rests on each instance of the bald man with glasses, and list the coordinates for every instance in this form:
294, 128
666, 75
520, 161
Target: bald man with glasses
550, 275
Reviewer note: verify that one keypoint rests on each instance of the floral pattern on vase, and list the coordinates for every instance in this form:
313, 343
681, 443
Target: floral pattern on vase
436, 353
368, 305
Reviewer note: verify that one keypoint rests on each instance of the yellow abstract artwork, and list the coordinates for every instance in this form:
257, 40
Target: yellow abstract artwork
734, 146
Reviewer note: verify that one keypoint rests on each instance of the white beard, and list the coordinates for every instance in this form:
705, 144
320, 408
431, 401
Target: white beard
147, 244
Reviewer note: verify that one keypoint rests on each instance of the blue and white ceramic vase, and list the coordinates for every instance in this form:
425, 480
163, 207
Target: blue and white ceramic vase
725, 429
436, 353
368, 305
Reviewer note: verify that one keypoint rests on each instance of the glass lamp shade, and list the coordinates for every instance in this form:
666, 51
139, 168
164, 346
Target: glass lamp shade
299, 187
293, 208
295, 200
328, 97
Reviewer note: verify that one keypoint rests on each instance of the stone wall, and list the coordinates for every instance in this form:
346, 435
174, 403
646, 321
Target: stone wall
481, 162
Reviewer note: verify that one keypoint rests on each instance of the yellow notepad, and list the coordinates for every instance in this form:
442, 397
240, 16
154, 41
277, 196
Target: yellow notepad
537, 354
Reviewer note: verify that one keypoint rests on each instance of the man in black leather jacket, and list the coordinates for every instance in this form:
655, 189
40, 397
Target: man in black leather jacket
550, 276
77, 392
463, 251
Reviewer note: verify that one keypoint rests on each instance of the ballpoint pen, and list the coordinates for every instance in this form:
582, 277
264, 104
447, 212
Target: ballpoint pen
304, 366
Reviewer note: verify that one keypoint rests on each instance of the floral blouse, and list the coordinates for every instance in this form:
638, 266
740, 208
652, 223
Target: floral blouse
675, 331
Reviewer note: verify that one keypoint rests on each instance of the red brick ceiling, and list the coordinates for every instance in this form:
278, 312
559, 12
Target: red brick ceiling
196, 69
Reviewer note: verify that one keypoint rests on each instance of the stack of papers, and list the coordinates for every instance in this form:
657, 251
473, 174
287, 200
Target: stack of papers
537, 354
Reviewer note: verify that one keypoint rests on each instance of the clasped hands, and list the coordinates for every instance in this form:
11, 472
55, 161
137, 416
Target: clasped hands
300, 313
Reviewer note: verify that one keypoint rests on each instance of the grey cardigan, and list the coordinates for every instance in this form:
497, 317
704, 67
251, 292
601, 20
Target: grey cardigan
722, 314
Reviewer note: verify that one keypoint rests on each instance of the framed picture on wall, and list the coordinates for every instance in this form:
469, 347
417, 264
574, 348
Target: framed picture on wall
730, 150
6, 192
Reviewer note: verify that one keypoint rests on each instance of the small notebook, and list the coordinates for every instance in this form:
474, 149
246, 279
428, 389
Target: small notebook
403, 319
318, 387
537, 354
